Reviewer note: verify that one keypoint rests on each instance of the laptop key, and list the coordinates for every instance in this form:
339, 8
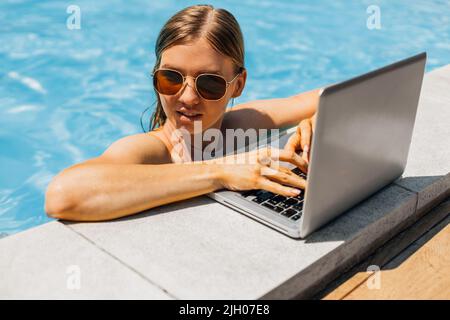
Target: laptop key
249, 193
263, 196
284, 205
298, 206
277, 199
278, 209
289, 213
290, 201
299, 172
296, 170
258, 200
272, 207
295, 217
268, 205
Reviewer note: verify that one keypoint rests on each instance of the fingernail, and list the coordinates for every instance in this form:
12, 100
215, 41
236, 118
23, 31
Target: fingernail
295, 191
306, 148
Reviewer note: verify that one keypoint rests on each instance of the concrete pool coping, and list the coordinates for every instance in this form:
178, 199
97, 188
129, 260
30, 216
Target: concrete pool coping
200, 249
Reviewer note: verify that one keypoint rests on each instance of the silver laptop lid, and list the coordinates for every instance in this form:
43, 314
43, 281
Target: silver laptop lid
361, 140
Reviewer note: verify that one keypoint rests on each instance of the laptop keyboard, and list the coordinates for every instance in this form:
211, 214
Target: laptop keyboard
289, 207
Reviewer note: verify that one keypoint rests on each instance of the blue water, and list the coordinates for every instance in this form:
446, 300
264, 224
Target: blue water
66, 95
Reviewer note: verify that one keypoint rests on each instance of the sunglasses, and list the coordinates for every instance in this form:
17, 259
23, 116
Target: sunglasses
209, 86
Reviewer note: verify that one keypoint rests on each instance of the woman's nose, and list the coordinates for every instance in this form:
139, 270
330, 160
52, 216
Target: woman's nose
189, 95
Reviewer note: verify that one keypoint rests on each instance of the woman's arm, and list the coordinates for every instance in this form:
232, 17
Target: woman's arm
273, 113
103, 191
132, 175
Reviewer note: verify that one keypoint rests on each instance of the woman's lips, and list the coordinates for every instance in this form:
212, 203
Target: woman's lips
187, 118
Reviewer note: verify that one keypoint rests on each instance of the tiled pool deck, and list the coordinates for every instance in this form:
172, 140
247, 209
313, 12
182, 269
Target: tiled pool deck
200, 249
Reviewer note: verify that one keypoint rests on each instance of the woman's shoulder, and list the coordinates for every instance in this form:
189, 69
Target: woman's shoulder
140, 148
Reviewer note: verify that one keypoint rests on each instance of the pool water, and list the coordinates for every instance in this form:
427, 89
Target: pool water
66, 95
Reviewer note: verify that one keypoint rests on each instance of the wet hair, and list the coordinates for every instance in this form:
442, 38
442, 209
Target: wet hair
218, 26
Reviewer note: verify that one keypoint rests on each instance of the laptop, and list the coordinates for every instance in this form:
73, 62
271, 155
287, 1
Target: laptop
361, 141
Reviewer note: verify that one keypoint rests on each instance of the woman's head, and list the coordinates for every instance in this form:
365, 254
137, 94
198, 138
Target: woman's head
199, 39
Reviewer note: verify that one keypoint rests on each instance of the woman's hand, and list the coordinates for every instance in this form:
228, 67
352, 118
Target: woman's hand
302, 138
260, 169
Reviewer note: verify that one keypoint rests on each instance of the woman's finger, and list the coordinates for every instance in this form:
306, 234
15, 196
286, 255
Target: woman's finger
284, 176
306, 130
288, 156
286, 170
274, 187
294, 141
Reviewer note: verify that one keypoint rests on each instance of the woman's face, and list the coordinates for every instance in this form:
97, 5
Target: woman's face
191, 60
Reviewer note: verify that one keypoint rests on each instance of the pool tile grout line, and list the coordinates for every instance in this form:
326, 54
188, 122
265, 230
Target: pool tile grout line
121, 262
436, 182
416, 193
407, 189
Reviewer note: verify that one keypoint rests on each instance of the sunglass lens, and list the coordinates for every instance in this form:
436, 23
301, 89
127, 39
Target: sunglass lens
167, 82
211, 87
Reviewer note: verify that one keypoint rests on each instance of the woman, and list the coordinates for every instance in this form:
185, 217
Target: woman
139, 172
